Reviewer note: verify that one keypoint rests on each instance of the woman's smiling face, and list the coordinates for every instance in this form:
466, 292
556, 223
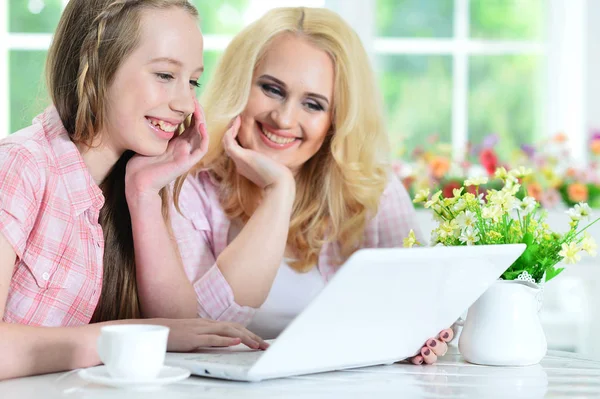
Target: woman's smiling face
289, 110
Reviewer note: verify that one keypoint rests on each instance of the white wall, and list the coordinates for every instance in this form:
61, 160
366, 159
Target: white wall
592, 81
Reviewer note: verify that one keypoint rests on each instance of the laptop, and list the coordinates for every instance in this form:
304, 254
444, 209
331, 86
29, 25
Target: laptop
379, 308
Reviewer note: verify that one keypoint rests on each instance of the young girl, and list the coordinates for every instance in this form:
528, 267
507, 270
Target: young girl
299, 182
120, 84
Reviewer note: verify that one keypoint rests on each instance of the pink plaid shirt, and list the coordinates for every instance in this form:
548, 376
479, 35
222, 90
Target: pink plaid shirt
49, 207
201, 232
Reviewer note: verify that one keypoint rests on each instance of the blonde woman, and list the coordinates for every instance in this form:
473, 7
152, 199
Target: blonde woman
120, 84
287, 191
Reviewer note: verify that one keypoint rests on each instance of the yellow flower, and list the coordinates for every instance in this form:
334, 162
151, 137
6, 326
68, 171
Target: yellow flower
570, 252
457, 192
421, 196
476, 181
512, 189
435, 199
588, 244
573, 224
494, 235
520, 172
503, 199
501, 173
449, 229
492, 212
460, 205
448, 202
411, 240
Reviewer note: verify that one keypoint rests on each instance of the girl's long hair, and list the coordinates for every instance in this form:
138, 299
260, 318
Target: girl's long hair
92, 39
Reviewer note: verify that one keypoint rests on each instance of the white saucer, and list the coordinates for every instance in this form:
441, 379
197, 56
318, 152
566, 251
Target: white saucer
167, 375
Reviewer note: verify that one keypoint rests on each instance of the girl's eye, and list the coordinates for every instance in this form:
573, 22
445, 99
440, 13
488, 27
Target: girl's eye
271, 89
195, 83
165, 76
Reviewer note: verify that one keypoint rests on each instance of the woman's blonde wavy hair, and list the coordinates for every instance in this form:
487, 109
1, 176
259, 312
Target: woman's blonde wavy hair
339, 188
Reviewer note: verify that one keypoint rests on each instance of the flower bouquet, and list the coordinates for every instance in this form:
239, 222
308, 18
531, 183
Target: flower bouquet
508, 310
507, 216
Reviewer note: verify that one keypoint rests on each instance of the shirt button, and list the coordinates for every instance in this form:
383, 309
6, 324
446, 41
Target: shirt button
46, 276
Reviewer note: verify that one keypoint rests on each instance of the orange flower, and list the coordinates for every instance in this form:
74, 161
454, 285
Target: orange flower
595, 147
560, 138
408, 182
577, 192
535, 190
439, 167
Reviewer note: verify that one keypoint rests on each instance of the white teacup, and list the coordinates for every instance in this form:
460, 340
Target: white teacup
133, 351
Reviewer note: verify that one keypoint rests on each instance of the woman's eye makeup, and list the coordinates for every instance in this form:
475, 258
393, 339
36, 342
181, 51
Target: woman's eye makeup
271, 89
315, 106
195, 83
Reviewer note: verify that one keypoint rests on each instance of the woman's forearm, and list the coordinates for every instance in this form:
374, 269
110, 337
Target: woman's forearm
251, 261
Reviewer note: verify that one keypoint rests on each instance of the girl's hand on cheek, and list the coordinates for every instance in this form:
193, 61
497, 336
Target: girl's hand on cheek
147, 175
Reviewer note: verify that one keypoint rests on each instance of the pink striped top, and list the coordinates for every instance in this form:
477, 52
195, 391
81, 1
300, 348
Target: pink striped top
201, 232
49, 207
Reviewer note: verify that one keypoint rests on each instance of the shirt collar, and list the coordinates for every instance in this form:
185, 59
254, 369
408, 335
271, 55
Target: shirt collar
83, 191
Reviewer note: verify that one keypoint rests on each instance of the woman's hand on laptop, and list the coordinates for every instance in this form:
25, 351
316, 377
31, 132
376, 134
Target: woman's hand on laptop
187, 335
434, 348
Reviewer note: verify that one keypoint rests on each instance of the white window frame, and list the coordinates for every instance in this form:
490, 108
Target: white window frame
567, 95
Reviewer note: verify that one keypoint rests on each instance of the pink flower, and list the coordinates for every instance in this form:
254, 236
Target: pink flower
550, 198
397, 167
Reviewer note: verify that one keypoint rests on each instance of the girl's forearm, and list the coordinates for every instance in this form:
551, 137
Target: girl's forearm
28, 350
163, 287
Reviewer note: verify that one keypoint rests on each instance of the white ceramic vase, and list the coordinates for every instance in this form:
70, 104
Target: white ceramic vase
503, 327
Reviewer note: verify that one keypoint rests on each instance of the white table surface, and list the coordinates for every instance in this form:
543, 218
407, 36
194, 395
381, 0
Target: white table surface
560, 375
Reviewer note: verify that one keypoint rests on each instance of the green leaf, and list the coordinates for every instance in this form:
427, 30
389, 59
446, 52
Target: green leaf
511, 275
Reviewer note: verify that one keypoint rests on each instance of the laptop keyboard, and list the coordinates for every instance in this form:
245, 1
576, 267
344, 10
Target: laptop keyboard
245, 358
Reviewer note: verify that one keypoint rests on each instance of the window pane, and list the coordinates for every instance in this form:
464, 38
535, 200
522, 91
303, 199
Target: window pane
224, 17
210, 63
417, 91
507, 19
505, 100
33, 16
28, 96
415, 18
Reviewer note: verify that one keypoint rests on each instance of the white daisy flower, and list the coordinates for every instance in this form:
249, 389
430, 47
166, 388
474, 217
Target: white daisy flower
469, 236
